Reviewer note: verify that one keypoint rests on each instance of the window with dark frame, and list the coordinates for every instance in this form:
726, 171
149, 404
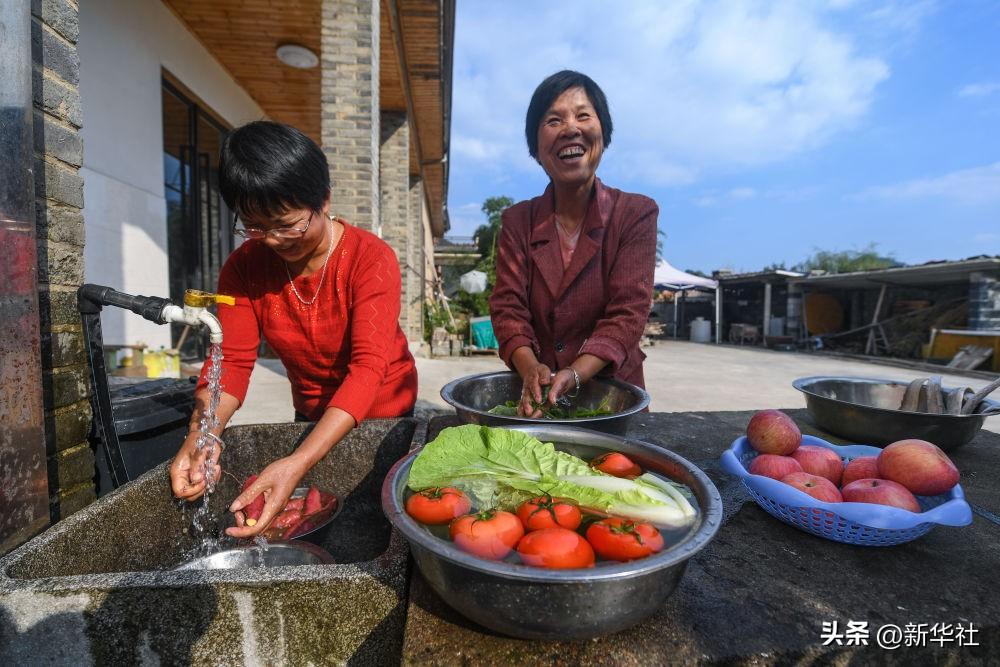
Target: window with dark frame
199, 234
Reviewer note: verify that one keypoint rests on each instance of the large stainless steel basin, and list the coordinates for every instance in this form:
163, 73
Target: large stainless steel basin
866, 411
535, 603
474, 395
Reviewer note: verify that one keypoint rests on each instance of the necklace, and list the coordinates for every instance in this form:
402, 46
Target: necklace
322, 275
567, 240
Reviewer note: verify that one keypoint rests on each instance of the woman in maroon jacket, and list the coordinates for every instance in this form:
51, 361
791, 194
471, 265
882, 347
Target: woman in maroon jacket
575, 265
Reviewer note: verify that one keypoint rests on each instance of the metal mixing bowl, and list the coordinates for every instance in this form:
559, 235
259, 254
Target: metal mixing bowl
866, 411
473, 396
536, 603
275, 555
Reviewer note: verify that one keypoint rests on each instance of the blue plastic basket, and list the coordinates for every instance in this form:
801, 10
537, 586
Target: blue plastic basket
865, 524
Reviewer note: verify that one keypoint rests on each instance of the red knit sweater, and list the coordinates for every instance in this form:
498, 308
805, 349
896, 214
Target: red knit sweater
346, 350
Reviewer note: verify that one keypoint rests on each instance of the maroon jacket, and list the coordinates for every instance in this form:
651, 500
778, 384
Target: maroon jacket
599, 304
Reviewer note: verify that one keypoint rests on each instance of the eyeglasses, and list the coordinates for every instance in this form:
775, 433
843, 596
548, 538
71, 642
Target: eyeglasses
293, 232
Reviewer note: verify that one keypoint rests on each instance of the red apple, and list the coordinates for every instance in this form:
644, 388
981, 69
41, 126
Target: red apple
880, 492
919, 466
774, 466
818, 487
863, 467
820, 461
773, 432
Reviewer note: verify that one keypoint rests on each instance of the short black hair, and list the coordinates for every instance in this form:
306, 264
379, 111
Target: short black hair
550, 89
267, 169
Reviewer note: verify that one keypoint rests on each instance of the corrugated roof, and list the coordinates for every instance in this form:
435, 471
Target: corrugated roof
937, 272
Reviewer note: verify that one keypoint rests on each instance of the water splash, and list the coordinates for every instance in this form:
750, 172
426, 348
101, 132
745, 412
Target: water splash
208, 443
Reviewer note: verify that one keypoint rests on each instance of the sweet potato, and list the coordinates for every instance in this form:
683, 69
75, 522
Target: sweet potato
256, 507
313, 501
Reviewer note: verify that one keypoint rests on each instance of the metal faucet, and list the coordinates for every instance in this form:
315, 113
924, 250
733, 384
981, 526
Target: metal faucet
195, 312
91, 298
157, 309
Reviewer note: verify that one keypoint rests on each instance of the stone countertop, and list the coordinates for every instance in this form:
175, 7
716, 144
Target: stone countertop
762, 590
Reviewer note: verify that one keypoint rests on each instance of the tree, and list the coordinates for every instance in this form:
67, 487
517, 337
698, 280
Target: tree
486, 236
847, 261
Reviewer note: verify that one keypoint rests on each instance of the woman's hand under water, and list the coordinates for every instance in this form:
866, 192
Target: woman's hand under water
277, 482
537, 376
187, 472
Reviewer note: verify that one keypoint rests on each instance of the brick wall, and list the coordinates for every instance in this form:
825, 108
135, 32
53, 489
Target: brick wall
350, 107
413, 277
58, 200
394, 185
984, 301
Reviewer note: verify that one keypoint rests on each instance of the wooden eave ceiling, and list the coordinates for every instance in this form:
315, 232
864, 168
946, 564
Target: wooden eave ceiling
243, 36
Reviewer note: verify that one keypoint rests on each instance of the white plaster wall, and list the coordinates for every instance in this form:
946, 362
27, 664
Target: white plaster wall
123, 46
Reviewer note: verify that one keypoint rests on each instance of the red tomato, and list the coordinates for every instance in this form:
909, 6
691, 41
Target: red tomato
555, 548
618, 539
548, 512
437, 506
491, 534
617, 464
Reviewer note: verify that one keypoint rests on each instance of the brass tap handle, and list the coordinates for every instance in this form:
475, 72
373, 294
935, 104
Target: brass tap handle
197, 299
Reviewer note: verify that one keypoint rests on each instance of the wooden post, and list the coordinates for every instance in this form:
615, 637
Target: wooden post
870, 344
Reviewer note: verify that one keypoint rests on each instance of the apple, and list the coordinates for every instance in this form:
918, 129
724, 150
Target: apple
918, 465
818, 487
880, 492
820, 461
773, 432
774, 466
863, 467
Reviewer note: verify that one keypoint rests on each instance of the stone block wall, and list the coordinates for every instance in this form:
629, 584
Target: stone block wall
350, 136
394, 186
984, 301
60, 236
414, 284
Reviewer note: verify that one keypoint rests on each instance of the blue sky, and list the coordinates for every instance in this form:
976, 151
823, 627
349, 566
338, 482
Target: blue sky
764, 130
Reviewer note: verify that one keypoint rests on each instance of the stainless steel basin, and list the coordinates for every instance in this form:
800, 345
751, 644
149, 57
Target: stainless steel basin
535, 603
274, 555
473, 396
866, 411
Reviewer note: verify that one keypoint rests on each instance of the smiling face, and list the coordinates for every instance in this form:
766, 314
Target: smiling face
570, 139
295, 249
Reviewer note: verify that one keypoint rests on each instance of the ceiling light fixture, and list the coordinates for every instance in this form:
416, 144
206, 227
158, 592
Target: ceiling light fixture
297, 56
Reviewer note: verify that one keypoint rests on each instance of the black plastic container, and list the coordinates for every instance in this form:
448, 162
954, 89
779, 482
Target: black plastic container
151, 420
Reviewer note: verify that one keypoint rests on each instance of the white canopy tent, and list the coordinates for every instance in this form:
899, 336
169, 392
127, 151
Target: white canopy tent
666, 277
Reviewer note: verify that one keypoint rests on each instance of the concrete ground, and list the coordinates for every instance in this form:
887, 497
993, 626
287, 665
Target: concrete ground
680, 377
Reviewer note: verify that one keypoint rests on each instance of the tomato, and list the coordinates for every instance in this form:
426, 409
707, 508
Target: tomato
555, 548
618, 539
437, 506
617, 464
548, 512
491, 534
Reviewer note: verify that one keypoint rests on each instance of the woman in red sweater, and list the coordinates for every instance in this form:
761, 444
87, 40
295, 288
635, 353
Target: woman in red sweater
323, 293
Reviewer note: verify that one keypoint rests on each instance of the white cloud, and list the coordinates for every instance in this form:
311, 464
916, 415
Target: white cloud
979, 185
981, 89
694, 87
986, 237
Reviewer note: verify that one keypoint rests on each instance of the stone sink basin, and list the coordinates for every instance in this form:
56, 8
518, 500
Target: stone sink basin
97, 587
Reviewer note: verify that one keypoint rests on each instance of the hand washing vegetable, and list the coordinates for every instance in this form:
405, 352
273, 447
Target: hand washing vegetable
437, 506
298, 516
617, 465
255, 508
548, 512
503, 468
509, 409
621, 540
491, 534
555, 548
